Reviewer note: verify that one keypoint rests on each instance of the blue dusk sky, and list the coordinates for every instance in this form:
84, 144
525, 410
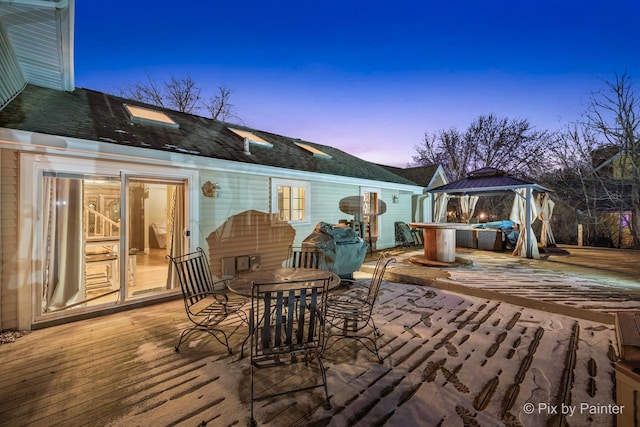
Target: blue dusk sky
368, 77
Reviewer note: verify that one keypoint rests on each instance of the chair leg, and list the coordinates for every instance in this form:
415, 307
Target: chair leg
187, 332
252, 420
360, 338
327, 404
242, 348
183, 338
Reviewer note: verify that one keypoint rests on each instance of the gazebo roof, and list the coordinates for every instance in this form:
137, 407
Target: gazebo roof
486, 181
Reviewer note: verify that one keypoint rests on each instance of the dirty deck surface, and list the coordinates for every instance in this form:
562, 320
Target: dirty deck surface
449, 359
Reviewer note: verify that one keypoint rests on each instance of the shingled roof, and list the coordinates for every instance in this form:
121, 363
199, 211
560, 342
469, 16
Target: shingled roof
96, 116
486, 181
421, 175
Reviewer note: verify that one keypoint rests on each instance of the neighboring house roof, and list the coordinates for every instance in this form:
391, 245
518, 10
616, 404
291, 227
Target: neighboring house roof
486, 181
96, 116
40, 34
421, 175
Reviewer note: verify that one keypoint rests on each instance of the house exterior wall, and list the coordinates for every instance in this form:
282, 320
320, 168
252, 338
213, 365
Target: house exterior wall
8, 238
241, 187
241, 192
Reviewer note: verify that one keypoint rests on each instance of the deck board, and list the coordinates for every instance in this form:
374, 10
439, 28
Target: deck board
121, 369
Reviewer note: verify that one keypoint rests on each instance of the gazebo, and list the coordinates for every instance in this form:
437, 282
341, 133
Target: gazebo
491, 181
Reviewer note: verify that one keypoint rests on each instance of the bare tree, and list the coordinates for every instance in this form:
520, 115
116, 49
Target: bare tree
576, 158
508, 144
449, 149
615, 115
181, 94
219, 106
149, 92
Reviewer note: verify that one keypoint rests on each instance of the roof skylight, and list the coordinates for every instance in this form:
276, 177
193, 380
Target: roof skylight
144, 116
250, 137
313, 150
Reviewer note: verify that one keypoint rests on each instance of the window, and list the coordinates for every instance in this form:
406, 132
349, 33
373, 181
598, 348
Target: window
251, 138
290, 200
313, 150
143, 116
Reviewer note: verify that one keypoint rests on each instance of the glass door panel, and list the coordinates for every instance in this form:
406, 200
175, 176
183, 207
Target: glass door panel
155, 228
81, 240
82, 244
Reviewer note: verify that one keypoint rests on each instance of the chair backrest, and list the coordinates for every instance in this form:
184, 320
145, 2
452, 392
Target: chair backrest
194, 275
287, 316
404, 236
307, 257
378, 275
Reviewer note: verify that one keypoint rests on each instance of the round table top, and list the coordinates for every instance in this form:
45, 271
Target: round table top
242, 284
441, 225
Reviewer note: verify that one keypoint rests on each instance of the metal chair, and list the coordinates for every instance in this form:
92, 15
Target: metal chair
308, 257
286, 327
347, 316
205, 306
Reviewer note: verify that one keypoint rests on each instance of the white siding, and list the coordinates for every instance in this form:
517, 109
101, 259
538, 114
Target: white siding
241, 192
8, 238
400, 211
41, 40
11, 79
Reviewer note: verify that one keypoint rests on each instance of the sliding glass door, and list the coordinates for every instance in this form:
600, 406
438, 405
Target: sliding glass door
156, 228
105, 238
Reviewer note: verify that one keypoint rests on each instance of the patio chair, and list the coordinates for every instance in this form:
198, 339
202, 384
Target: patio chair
308, 257
348, 315
403, 234
286, 327
205, 305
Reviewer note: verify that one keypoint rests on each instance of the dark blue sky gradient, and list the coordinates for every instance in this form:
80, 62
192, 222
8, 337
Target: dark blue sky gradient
368, 77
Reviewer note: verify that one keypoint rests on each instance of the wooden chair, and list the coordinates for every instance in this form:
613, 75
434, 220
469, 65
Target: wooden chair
348, 316
286, 327
205, 306
308, 257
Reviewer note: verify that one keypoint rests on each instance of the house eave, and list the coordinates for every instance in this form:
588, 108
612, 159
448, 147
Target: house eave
52, 144
45, 52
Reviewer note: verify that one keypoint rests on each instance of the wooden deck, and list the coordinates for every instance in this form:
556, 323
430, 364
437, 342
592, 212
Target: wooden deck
449, 360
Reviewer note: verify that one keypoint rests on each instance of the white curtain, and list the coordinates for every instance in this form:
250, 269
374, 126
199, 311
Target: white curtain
63, 283
468, 206
440, 208
175, 229
519, 216
545, 208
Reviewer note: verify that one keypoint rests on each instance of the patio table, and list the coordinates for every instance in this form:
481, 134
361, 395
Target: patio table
440, 240
241, 285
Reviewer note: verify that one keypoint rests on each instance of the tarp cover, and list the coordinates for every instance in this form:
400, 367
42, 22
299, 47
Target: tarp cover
342, 246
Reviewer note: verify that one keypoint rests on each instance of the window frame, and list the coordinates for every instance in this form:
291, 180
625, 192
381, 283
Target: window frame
293, 183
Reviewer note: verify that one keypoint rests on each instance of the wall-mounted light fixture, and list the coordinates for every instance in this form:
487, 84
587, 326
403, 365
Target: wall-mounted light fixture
211, 189
395, 199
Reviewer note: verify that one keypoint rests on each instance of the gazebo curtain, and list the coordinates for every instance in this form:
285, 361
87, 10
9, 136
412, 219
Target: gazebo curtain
468, 206
545, 208
519, 216
440, 208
